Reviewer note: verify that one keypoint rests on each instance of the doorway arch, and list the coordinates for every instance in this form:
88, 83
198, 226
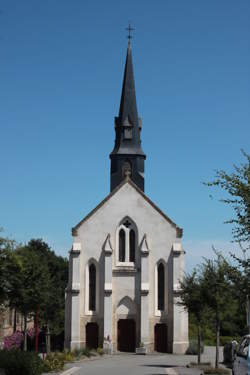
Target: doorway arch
126, 335
92, 333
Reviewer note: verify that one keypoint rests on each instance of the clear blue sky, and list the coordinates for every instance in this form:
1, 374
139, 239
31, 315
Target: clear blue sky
61, 67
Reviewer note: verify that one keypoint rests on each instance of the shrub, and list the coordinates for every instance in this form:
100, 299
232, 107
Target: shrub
54, 361
13, 341
86, 352
100, 351
68, 357
193, 347
16, 362
227, 340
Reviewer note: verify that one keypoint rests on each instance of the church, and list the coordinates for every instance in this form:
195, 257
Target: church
127, 256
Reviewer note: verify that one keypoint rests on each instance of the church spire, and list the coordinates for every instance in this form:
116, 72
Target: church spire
127, 157
128, 107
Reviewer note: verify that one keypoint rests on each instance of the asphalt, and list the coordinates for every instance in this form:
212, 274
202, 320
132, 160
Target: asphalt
131, 364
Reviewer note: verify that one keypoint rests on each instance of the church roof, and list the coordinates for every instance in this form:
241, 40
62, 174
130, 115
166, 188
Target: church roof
179, 231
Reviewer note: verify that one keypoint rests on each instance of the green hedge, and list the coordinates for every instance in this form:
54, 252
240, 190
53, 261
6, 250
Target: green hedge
16, 362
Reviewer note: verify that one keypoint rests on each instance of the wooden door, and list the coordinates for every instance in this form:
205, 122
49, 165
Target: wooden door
160, 338
126, 335
92, 335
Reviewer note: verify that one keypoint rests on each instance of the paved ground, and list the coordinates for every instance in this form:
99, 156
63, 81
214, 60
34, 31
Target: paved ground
131, 364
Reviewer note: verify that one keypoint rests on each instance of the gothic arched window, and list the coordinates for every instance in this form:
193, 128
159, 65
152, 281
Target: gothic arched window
161, 286
132, 245
92, 287
122, 245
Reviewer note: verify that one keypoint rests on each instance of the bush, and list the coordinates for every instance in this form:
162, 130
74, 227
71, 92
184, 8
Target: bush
54, 361
193, 347
86, 352
100, 351
227, 340
13, 341
16, 362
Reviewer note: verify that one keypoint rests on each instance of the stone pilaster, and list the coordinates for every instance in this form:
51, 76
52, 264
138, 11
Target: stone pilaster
144, 292
108, 291
180, 316
75, 296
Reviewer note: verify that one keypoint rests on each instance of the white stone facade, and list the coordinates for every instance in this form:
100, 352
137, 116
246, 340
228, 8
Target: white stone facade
126, 288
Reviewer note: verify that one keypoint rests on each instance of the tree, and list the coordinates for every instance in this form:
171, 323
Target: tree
8, 268
239, 274
191, 295
237, 186
51, 308
217, 292
34, 278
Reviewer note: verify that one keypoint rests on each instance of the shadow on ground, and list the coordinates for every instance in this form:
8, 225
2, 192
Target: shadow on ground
159, 366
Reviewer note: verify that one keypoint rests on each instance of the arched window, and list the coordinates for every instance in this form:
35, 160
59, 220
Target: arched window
92, 287
132, 245
121, 246
161, 287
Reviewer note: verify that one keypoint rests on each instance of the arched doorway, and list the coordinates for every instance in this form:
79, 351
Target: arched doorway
92, 335
161, 335
126, 335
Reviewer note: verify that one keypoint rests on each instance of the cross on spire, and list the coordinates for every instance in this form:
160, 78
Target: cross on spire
129, 29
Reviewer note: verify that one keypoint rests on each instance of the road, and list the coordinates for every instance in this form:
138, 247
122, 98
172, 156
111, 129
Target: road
131, 364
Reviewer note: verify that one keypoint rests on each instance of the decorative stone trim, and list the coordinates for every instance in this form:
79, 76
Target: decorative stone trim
107, 247
77, 246
145, 287
74, 252
177, 287
179, 232
107, 293
76, 287
177, 249
108, 287
144, 246
124, 270
75, 291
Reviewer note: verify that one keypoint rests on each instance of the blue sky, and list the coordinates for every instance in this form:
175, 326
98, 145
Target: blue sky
61, 73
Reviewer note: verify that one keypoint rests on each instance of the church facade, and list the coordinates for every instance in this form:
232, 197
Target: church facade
127, 256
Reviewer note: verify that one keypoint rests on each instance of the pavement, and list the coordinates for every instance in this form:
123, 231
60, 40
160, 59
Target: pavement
131, 364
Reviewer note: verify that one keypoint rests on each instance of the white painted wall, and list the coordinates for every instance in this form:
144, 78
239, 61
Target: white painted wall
160, 234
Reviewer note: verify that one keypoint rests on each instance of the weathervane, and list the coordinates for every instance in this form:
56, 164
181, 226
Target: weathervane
129, 29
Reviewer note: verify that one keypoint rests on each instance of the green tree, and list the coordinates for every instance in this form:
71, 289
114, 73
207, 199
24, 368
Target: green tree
237, 187
217, 292
239, 274
51, 308
34, 278
8, 268
191, 298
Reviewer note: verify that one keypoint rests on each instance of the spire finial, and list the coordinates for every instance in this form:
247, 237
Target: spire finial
129, 29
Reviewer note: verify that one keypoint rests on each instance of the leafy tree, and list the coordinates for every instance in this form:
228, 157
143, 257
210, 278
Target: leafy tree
191, 298
34, 277
51, 308
239, 274
217, 292
8, 268
237, 186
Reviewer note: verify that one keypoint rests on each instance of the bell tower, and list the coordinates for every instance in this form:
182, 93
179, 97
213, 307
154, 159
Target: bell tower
127, 157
